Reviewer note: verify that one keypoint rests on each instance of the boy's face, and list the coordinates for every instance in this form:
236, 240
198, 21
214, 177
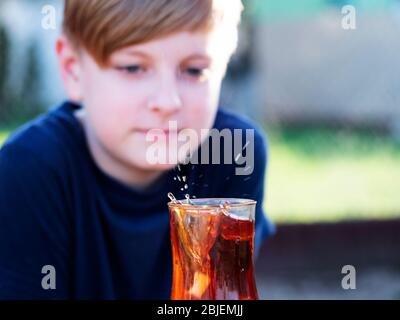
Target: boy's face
144, 87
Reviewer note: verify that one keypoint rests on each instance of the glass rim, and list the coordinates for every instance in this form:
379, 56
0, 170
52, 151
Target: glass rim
242, 203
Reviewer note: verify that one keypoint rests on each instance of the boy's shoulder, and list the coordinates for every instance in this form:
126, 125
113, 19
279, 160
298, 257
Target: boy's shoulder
227, 119
46, 138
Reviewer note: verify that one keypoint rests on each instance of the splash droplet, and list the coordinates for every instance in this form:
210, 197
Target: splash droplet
188, 199
172, 197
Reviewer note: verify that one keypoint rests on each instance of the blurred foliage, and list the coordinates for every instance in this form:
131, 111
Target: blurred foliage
4, 52
3, 136
15, 107
331, 175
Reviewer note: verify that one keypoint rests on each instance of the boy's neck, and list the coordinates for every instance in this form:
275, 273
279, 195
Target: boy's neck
128, 175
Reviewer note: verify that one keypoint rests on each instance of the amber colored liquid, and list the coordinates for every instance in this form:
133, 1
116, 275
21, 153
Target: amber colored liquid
212, 257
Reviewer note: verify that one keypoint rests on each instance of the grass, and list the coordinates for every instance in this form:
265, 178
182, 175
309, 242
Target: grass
318, 175
325, 175
3, 135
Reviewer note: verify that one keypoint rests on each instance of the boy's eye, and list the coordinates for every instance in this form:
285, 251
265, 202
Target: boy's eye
131, 69
195, 72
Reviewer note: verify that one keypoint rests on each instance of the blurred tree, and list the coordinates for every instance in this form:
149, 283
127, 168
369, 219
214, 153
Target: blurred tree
4, 61
30, 99
16, 108
241, 63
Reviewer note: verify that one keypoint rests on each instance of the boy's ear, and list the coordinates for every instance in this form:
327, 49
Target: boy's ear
70, 68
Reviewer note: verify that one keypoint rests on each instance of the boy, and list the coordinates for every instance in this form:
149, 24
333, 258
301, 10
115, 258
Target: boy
83, 212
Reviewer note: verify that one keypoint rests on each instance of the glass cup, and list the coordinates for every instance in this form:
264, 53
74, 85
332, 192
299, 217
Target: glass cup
212, 248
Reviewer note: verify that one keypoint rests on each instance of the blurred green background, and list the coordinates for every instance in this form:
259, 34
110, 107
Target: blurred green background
332, 175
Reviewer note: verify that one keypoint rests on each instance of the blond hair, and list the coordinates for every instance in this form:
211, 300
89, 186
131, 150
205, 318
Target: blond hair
104, 26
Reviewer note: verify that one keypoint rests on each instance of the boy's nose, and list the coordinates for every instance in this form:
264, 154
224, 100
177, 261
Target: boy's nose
166, 98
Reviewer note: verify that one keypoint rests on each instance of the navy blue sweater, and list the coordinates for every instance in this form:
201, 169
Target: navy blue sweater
104, 239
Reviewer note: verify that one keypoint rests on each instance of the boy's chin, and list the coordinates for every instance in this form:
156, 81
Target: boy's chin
157, 166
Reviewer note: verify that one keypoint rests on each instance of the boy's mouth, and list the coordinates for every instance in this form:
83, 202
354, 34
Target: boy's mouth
165, 131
